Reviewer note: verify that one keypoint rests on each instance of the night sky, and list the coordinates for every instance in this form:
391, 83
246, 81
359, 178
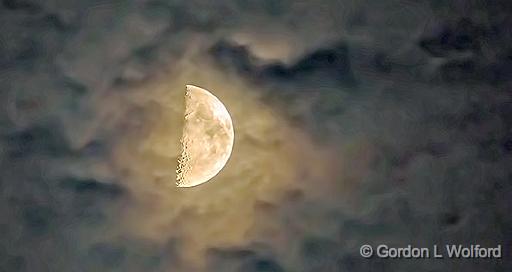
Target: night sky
356, 122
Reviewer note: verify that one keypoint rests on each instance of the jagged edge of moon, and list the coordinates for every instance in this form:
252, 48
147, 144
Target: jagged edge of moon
184, 158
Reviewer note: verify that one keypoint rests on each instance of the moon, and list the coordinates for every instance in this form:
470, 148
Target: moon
207, 138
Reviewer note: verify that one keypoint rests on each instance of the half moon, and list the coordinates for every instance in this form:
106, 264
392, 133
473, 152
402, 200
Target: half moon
207, 138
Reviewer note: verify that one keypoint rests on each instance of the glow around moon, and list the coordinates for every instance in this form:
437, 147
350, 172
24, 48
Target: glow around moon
207, 139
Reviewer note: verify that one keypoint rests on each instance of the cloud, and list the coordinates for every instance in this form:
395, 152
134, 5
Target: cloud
356, 122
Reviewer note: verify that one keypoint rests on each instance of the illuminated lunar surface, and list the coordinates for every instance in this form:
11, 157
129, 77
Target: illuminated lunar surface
207, 139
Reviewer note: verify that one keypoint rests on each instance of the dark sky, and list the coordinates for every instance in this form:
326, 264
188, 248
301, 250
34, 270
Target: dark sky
356, 122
